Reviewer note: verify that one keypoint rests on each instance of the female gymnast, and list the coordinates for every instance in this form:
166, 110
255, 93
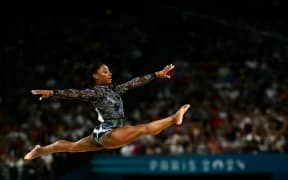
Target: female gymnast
106, 99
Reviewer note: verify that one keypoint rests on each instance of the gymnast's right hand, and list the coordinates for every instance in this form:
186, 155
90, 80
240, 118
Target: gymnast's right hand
44, 93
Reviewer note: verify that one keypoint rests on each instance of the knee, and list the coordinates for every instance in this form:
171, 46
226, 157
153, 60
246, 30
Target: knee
59, 142
143, 130
147, 129
64, 143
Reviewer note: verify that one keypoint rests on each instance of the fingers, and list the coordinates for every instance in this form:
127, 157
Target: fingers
169, 67
166, 72
41, 92
36, 92
169, 72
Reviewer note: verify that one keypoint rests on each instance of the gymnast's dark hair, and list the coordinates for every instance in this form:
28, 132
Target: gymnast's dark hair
92, 68
88, 71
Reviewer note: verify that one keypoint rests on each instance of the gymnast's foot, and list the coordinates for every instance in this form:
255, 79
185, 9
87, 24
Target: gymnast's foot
36, 152
178, 116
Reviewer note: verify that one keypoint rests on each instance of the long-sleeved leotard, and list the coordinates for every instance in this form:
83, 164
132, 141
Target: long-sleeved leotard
106, 99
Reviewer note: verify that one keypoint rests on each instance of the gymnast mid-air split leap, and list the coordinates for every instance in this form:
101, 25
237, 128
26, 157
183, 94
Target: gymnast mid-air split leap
106, 98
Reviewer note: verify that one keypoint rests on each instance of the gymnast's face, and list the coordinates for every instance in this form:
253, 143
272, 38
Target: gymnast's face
103, 75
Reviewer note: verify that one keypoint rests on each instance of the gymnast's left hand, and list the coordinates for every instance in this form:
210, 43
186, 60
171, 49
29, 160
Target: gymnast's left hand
164, 72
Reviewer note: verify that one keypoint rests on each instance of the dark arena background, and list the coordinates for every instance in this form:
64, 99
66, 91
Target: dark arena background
230, 64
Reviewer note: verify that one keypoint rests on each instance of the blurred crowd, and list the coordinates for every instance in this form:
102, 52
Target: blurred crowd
231, 71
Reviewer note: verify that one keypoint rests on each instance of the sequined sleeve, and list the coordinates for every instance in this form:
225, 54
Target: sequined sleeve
135, 82
84, 95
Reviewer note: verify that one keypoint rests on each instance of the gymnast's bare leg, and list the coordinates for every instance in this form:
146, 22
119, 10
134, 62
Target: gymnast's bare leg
83, 145
127, 134
114, 139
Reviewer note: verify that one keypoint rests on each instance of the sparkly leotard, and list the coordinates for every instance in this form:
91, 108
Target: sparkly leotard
107, 101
